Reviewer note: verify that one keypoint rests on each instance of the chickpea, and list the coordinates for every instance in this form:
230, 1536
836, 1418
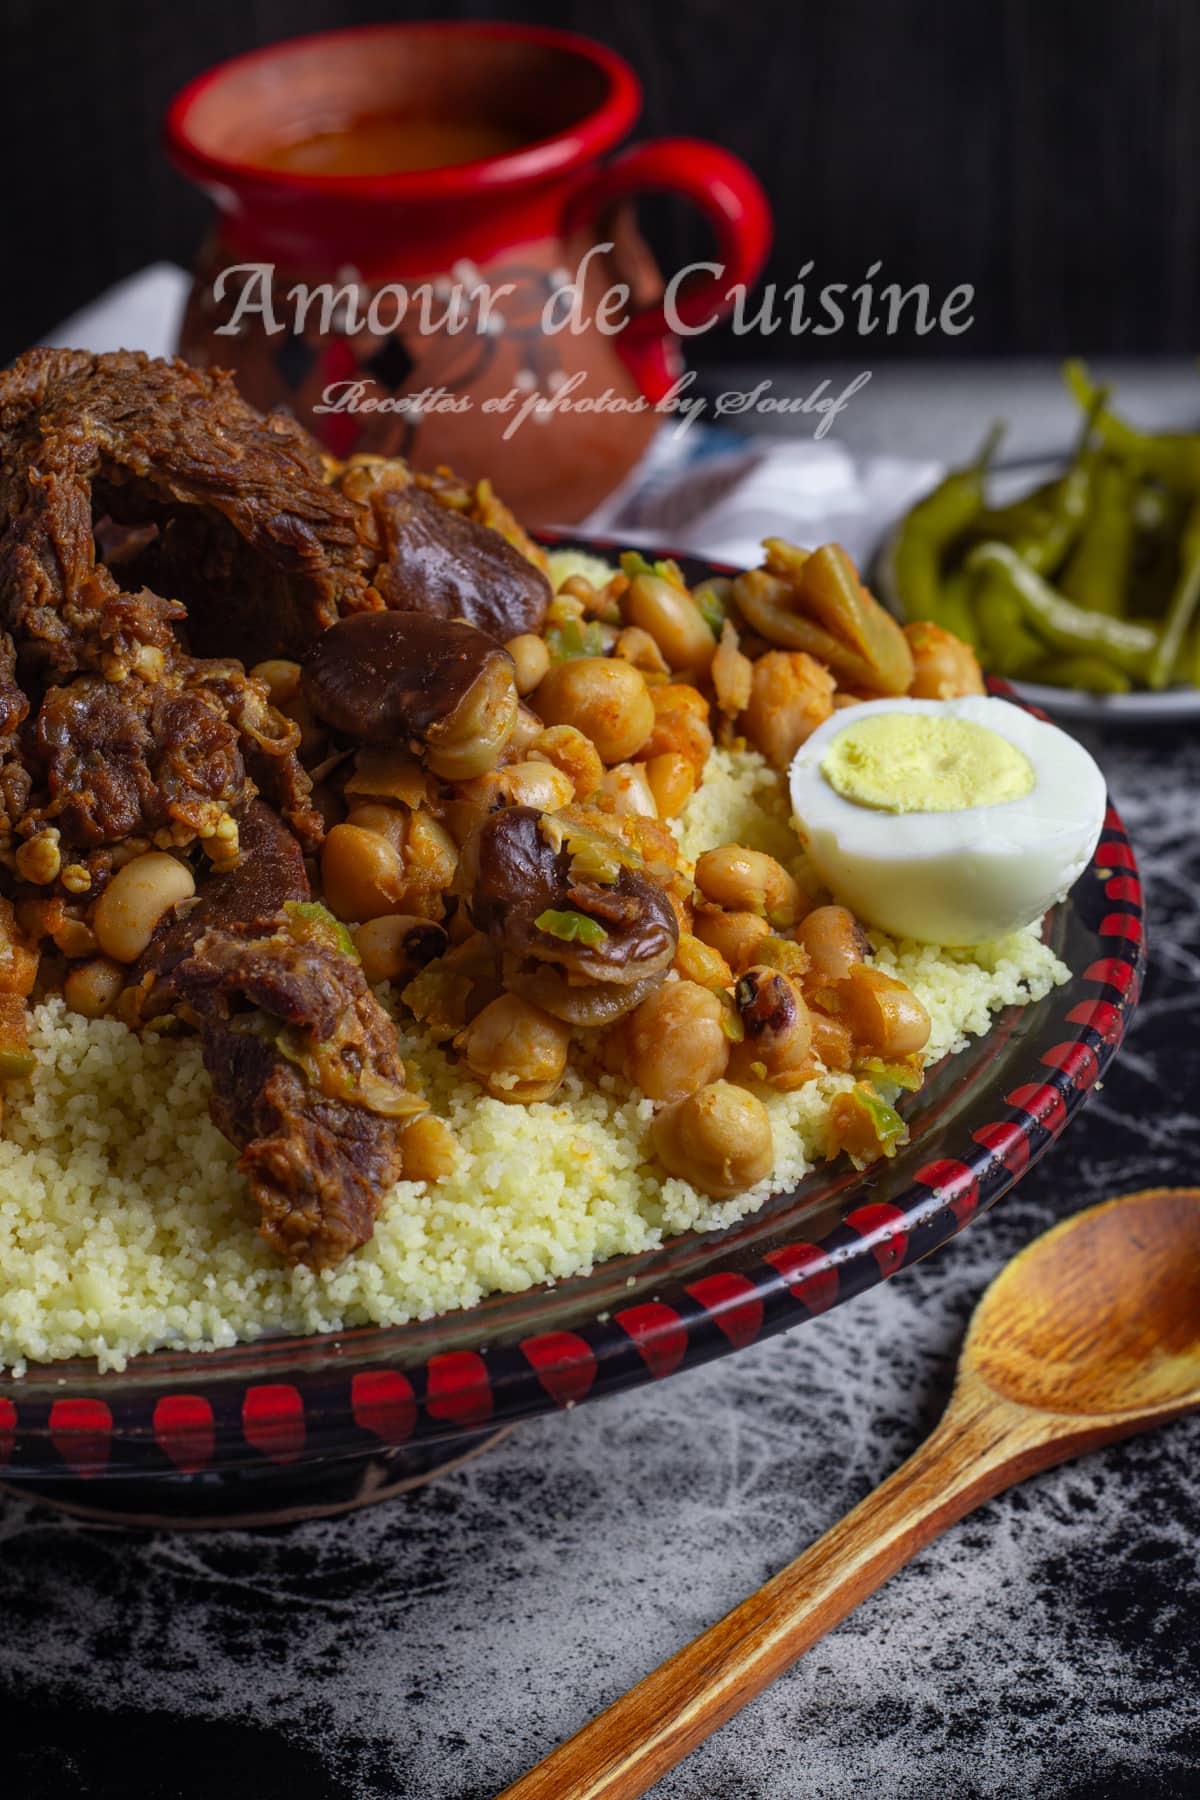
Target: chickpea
377, 816
718, 1138
525, 732
394, 946
630, 790
637, 647
835, 943
732, 673
280, 678
532, 783
884, 1017
136, 900
672, 782
735, 935
778, 1042
39, 859
312, 732
943, 666
675, 1041
790, 695
672, 618
362, 873
531, 660
742, 880
831, 1040
74, 938
515, 1050
91, 988
603, 697
426, 853
535, 783
574, 754
428, 1149
701, 963
680, 724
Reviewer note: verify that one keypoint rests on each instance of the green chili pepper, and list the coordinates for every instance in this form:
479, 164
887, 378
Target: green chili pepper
927, 533
1174, 456
1183, 605
1060, 622
1007, 645
1097, 573
1044, 525
955, 611
1091, 674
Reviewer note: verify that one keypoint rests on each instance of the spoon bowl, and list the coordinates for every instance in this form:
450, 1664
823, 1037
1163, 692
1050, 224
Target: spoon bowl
1100, 1315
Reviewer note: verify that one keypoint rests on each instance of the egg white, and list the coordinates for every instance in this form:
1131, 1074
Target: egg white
960, 877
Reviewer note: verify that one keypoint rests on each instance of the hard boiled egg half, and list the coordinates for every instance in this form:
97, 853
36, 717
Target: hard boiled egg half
949, 821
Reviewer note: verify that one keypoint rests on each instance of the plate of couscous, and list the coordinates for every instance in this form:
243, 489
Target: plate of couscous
484, 972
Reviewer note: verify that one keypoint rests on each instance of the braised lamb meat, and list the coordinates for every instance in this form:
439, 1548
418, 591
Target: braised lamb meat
250, 536
306, 1076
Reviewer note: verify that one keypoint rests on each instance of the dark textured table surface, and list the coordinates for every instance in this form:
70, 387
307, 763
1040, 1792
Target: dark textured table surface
435, 1646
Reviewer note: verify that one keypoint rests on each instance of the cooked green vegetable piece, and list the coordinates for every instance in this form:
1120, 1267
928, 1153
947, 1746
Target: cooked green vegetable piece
1064, 625
573, 639
863, 1125
908, 1075
633, 564
926, 536
1174, 456
1183, 605
1097, 572
310, 918
571, 927
1091, 674
710, 599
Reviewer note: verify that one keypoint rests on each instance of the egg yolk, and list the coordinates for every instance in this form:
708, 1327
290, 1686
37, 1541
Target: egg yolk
917, 762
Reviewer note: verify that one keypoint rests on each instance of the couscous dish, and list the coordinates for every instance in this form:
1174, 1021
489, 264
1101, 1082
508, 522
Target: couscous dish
392, 914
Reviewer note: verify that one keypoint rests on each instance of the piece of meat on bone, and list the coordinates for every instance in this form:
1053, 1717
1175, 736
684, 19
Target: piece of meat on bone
306, 1072
306, 1077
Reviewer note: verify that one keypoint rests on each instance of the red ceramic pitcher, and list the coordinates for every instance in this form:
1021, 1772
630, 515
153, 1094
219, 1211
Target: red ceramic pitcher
554, 405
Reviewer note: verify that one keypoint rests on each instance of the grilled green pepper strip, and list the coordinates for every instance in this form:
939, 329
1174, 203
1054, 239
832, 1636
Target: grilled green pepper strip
1183, 604
1060, 622
1097, 573
1174, 456
928, 531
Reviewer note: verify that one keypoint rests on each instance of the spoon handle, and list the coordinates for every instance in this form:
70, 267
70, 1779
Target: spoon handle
981, 1446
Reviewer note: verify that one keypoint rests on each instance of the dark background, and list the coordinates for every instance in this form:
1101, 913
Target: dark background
1045, 151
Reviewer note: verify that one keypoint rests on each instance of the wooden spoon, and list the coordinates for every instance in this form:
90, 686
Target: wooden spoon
1089, 1335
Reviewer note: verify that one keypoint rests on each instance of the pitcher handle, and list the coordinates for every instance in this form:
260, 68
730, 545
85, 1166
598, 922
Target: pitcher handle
729, 195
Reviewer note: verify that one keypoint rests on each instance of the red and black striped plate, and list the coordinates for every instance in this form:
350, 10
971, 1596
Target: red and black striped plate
279, 1409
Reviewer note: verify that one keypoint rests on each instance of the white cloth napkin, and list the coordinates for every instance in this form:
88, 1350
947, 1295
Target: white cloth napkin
703, 489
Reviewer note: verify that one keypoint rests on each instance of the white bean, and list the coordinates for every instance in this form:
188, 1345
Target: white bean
139, 895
